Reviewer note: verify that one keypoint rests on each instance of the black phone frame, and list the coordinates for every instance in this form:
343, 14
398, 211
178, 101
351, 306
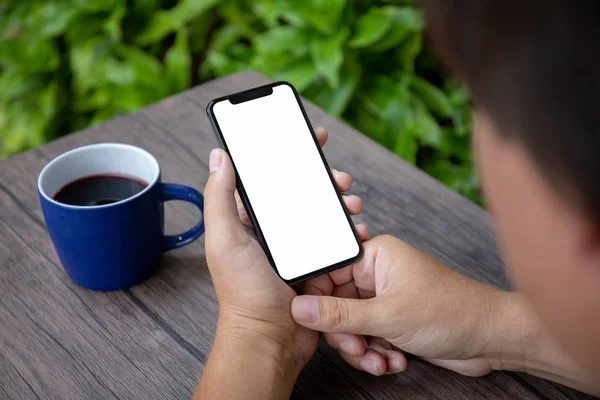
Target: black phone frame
251, 94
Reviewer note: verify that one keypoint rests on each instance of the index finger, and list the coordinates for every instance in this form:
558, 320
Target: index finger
362, 272
320, 286
322, 135
324, 285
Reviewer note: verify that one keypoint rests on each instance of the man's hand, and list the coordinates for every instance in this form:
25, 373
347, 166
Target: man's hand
402, 300
259, 350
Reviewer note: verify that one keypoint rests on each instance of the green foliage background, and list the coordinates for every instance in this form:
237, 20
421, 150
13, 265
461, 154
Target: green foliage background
68, 64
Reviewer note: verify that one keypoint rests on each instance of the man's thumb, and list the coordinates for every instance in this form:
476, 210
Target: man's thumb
334, 314
220, 208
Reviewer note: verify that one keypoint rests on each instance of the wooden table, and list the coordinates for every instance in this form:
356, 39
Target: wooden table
60, 341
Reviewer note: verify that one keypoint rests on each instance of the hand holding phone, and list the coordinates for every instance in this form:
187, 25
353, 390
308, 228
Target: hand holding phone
254, 303
304, 227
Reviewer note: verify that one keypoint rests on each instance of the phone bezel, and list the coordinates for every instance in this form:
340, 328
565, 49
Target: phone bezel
252, 94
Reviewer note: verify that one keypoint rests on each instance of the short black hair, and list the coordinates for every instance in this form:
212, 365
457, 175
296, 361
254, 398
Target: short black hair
533, 66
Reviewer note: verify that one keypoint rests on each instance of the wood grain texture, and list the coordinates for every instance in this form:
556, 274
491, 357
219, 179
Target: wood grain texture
60, 341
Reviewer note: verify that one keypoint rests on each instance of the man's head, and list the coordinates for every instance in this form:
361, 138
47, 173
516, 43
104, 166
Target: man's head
532, 69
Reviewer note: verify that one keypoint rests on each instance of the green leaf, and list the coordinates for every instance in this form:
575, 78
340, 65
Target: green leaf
160, 26
93, 6
278, 48
434, 97
462, 178
188, 10
51, 18
13, 84
367, 122
86, 27
372, 26
406, 21
231, 12
386, 97
389, 100
143, 8
285, 39
450, 174
82, 57
12, 22
225, 37
48, 102
200, 33
241, 51
301, 74
457, 92
267, 11
336, 101
115, 72
426, 128
102, 116
92, 100
164, 22
444, 140
112, 26
120, 65
14, 140
462, 120
97, 62
399, 121
130, 98
228, 52
409, 50
148, 70
406, 147
23, 126
220, 65
326, 14
455, 145
118, 99
322, 15
178, 61
328, 55
29, 54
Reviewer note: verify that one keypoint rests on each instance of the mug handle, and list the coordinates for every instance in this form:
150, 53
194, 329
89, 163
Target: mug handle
171, 191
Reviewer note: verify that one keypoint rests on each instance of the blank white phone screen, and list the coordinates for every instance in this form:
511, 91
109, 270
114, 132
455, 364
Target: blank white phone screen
295, 203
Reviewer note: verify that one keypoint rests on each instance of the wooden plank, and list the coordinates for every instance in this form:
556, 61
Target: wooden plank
63, 341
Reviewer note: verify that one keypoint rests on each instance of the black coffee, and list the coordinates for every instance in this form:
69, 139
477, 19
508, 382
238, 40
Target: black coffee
97, 190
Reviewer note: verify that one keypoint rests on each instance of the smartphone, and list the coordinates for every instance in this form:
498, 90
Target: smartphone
284, 181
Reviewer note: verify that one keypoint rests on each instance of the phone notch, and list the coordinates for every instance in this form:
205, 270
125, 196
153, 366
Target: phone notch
251, 95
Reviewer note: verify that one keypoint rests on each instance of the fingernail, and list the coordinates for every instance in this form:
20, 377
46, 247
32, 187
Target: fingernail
305, 309
396, 364
378, 348
368, 366
215, 161
348, 348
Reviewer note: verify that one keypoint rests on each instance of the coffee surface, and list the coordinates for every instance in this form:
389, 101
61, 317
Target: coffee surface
97, 190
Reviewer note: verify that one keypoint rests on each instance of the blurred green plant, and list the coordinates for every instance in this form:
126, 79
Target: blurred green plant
68, 64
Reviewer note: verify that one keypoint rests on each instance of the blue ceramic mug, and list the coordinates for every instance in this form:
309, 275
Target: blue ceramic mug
118, 245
